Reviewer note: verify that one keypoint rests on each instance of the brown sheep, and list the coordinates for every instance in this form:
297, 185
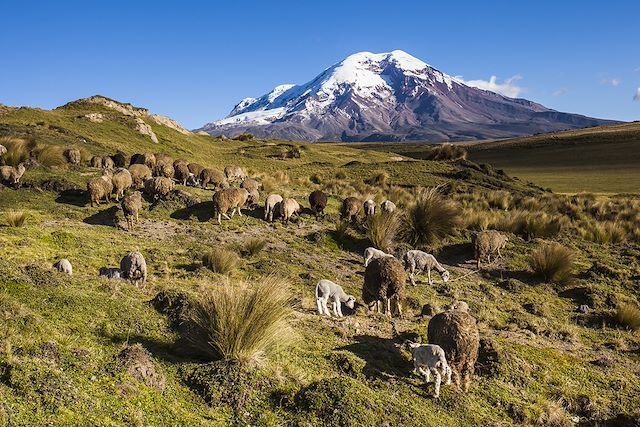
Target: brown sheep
231, 198
119, 160
318, 202
97, 162
253, 198
131, 206
457, 333
179, 161
148, 159
108, 163
181, 172
73, 156
100, 188
12, 175
158, 187
384, 280
487, 243
350, 209
139, 174
195, 168
287, 208
250, 184
122, 181
235, 173
164, 169
212, 176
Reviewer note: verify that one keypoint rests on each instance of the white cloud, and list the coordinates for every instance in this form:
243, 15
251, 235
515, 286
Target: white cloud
636, 97
561, 92
613, 81
507, 88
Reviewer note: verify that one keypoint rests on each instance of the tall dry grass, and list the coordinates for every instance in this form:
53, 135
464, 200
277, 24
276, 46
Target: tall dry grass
553, 262
383, 230
429, 219
18, 150
628, 315
15, 218
220, 260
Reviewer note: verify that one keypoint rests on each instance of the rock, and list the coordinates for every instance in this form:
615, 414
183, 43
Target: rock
94, 117
143, 128
170, 123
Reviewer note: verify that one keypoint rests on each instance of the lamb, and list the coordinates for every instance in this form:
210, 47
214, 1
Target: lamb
250, 184
327, 290
384, 280
318, 202
369, 208
158, 187
181, 172
195, 168
100, 188
122, 181
350, 209
108, 163
287, 208
417, 261
97, 162
110, 273
3, 150
131, 206
457, 333
73, 156
64, 266
139, 174
270, 205
372, 253
487, 243
134, 268
12, 175
212, 176
231, 198
388, 206
234, 173
430, 359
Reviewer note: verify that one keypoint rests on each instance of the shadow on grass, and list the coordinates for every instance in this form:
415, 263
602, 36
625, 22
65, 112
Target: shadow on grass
104, 217
202, 211
456, 254
75, 197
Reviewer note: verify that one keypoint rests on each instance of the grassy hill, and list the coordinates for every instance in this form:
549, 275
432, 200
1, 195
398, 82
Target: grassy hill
65, 355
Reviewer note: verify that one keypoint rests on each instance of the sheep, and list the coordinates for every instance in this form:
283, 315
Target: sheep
369, 208
119, 160
417, 261
195, 168
100, 188
388, 206
73, 156
253, 198
327, 290
12, 175
64, 266
164, 168
270, 205
177, 162
122, 181
110, 273
108, 163
250, 184
3, 150
139, 174
430, 360
212, 176
97, 162
148, 159
287, 208
192, 180
181, 172
234, 173
131, 206
350, 209
134, 268
384, 280
163, 158
318, 202
372, 253
457, 333
158, 187
488, 242
459, 306
231, 198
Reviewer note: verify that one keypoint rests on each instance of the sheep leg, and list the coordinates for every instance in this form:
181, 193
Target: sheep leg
233, 212
425, 373
412, 276
399, 307
388, 310
227, 216
219, 219
437, 380
429, 276
447, 371
339, 306
239, 211
325, 308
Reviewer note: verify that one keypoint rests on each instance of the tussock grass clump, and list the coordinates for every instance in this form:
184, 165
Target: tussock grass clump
15, 218
604, 232
18, 150
383, 229
253, 246
380, 178
341, 230
341, 175
553, 262
220, 260
242, 323
449, 152
628, 315
499, 199
50, 155
400, 196
429, 219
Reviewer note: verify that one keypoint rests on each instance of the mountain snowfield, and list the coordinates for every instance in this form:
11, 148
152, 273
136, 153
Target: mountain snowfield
389, 97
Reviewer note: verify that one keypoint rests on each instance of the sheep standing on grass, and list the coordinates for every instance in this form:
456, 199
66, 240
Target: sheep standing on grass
139, 174
235, 173
108, 163
233, 199
388, 206
287, 208
181, 172
131, 206
164, 168
250, 184
318, 202
369, 208
326, 291
487, 243
212, 176
73, 156
372, 253
270, 206
350, 209
119, 160
12, 175
97, 162
64, 266
122, 181
134, 268
417, 261
100, 188
110, 272
158, 187
384, 280
195, 168
430, 360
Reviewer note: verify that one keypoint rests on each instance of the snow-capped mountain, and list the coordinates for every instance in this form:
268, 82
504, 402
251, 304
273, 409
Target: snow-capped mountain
389, 97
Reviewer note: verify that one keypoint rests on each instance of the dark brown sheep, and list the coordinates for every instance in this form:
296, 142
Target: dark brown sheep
131, 206
351, 207
212, 176
119, 160
195, 168
230, 199
148, 159
318, 201
181, 172
250, 184
457, 333
384, 280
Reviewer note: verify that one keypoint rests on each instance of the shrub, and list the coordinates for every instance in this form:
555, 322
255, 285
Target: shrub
15, 218
553, 262
628, 315
18, 150
499, 199
382, 230
253, 246
316, 178
220, 260
379, 178
341, 175
604, 232
50, 155
244, 137
431, 218
241, 323
446, 152
341, 230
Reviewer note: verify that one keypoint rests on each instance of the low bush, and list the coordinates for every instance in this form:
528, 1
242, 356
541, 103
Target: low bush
220, 260
383, 229
15, 218
429, 219
628, 315
553, 262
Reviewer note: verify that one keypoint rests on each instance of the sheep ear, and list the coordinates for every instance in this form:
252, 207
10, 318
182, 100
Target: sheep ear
414, 344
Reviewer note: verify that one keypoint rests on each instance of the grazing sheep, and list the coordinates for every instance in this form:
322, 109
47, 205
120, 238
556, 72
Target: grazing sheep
457, 333
234, 173
181, 172
318, 202
64, 266
372, 253
350, 209
176, 162
250, 184
369, 208
270, 205
148, 159
119, 160
97, 162
110, 272
164, 168
134, 268
122, 181
100, 188
384, 280
158, 187
73, 156
195, 168
212, 176
192, 180
163, 157
12, 175
417, 261
108, 163
388, 206
139, 174
287, 208
487, 243
327, 290
231, 198
430, 360
459, 306
131, 206
3, 150
253, 198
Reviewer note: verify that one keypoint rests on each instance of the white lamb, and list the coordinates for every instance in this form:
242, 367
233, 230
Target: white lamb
64, 266
372, 253
327, 290
430, 359
270, 205
388, 206
417, 261
369, 208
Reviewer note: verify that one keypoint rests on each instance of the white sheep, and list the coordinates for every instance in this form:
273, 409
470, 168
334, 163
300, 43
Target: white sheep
3, 150
372, 253
388, 206
416, 261
64, 266
430, 360
270, 205
369, 208
327, 290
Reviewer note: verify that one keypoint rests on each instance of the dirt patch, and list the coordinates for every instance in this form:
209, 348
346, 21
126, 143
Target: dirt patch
137, 362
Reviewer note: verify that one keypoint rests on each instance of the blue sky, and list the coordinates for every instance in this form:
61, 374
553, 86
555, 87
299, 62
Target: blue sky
194, 61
